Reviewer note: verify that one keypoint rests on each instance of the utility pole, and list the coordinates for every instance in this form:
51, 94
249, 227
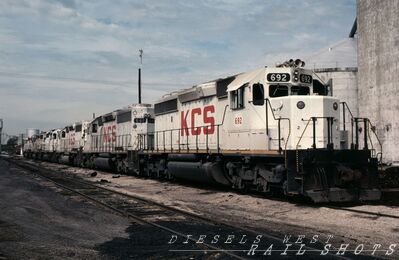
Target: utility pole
1, 132
22, 145
141, 63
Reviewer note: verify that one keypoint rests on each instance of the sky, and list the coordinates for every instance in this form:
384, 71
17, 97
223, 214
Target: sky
63, 60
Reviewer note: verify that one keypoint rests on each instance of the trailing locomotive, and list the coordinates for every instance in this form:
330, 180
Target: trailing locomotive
272, 129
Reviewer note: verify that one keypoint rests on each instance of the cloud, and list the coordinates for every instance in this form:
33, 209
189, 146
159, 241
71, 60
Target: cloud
68, 58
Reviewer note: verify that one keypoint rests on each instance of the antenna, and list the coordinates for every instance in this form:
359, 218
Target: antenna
141, 64
141, 56
1, 131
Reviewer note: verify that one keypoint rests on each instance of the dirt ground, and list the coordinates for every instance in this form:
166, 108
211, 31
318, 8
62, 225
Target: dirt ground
40, 221
279, 216
37, 223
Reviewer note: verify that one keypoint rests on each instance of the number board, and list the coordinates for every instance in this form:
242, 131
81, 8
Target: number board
278, 77
304, 78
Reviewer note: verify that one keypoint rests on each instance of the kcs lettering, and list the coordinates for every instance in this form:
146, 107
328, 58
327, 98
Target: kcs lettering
109, 134
207, 118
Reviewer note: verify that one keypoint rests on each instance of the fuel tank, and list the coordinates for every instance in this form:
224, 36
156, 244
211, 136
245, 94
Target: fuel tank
64, 159
208, 172
103, 163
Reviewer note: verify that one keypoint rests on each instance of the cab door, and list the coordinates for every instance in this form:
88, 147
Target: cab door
238, 124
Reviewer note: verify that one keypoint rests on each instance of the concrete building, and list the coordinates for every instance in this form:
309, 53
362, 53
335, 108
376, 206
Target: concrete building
31, 132
378, 70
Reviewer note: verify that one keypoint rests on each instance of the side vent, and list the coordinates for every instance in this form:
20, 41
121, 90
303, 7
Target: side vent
221, 86
165, 107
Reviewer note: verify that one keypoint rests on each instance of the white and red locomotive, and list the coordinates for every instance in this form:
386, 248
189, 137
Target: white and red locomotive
272, 129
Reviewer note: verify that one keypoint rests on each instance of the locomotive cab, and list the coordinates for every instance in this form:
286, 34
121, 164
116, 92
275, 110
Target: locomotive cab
307, 119
270, 109
317, 162
143, 125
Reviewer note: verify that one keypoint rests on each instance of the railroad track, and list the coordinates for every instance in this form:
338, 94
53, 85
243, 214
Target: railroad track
137, 210
364, 212
149, 212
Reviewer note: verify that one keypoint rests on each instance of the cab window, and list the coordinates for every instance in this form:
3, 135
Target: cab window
278, 91
258, 94
237, 98
94, 128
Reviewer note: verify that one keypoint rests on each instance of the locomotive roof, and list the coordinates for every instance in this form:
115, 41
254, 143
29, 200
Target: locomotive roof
209, 88
243, 78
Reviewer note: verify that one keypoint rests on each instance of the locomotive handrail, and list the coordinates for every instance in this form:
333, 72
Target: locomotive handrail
297, 145
98, 143
268, 104
367, 126
378, 140
155, 133
279, 126
330, 144
371, 143
344, 104
355, 119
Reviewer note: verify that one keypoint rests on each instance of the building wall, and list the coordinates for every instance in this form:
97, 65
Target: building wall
378, 70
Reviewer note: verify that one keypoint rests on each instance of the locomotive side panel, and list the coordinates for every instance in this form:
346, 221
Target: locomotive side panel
189, 122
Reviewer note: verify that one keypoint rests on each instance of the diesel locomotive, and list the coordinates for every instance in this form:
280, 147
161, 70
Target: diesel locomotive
272, 129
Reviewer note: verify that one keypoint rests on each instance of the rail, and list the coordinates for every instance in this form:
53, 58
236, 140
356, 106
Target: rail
146, 142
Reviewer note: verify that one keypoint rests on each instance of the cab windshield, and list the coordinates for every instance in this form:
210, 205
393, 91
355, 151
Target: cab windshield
299, 90
283, 90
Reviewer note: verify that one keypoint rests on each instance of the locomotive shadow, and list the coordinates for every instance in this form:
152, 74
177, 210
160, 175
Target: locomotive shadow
209, 188
144, 241
148, 242
391, 200
388, 199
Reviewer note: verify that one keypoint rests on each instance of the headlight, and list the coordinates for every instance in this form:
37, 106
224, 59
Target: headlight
296, 73
335, 105
300, 104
